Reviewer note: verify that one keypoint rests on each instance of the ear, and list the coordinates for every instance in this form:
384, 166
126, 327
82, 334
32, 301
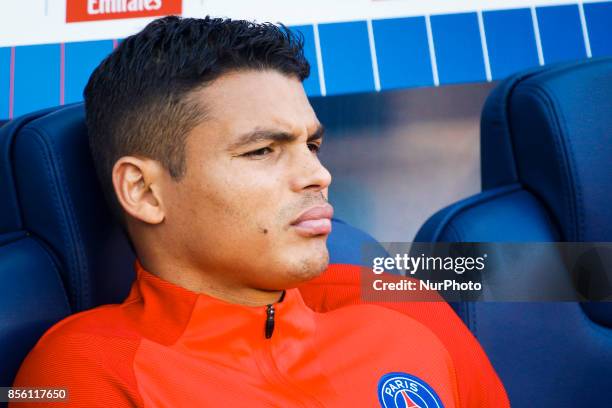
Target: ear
137, 185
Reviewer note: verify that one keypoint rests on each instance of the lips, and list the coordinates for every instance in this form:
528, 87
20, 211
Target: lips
314, 221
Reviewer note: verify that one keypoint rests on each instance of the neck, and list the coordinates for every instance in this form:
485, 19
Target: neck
198, 281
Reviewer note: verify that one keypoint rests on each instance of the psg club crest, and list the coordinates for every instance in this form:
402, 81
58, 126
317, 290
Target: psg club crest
401, 390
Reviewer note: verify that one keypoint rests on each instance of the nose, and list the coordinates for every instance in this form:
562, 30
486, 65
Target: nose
310, 174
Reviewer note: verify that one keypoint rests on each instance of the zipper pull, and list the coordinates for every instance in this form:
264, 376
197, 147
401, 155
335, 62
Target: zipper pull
269, 321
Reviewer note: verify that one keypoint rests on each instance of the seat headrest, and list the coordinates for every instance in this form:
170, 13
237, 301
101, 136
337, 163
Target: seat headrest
549, 130
61, 203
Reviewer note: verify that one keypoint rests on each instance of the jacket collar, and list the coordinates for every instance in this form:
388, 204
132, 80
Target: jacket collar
173, 314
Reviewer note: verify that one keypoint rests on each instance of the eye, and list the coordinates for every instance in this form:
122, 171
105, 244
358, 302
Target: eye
314, 147
264, 151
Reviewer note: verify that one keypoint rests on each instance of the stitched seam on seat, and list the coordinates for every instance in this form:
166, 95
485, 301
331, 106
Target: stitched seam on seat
57, 197
11, 176
506, 125
84, 289
508, 115
560, 155
578, 201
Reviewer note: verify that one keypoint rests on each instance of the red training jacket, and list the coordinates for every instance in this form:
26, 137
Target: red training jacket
166, 346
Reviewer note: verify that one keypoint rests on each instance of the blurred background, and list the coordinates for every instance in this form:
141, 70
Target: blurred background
396, 157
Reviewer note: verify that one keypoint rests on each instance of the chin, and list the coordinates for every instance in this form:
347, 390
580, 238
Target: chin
311, 265
306, 262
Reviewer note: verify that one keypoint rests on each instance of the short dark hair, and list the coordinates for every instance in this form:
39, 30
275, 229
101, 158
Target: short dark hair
137, 100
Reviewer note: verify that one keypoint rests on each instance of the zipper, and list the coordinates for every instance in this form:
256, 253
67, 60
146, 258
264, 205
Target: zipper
269, 321
270, 370
269, 327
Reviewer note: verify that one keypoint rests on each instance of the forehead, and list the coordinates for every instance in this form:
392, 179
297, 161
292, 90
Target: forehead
241, 101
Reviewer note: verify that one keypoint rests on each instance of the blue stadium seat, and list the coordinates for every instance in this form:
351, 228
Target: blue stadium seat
546, 158
60, 250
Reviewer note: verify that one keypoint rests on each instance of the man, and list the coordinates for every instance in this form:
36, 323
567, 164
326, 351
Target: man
206, 147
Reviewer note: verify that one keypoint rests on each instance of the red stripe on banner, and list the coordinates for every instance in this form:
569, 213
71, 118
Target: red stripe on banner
62, 72
12, 84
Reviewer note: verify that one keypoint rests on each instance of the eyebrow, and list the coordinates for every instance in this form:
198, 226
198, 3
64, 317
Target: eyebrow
259, 135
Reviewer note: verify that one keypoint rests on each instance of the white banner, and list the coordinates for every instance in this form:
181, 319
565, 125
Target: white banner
26, 22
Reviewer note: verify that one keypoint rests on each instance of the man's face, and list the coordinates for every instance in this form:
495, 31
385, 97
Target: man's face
252, 206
